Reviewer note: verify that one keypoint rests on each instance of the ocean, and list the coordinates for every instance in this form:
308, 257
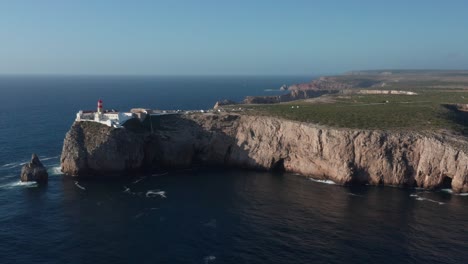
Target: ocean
198, 215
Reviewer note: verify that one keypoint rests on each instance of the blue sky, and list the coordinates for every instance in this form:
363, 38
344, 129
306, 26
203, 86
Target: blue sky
230, 37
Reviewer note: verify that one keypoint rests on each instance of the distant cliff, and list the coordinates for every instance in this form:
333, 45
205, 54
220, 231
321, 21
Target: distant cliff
315, 88
341, 155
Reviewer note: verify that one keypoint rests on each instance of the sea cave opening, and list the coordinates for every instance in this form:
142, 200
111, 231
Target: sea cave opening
446, 183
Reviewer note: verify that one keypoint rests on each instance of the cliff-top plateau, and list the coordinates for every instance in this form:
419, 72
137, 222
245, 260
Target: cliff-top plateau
381, 128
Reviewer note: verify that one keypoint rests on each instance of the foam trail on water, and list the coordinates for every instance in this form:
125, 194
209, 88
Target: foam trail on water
8, 164
323, 181
209, 259
79, 186
49, 158
451, 192
154, 193
13, 165
353, 194
138, 215
19, 184
137, 181
419, 198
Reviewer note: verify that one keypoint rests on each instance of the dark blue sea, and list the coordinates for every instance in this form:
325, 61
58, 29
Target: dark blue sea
199, 215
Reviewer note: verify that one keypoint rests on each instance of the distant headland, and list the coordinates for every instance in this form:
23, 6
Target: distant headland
399, 128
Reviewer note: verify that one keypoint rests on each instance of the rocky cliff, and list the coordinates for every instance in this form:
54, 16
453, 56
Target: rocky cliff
341, 155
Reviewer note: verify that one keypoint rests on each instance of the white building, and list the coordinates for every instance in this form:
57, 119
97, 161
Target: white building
110, 118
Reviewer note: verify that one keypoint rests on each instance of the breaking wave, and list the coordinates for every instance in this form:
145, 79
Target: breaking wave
57, 170
323, 181
155, 193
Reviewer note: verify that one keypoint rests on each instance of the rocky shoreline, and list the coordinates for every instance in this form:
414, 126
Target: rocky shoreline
345, 156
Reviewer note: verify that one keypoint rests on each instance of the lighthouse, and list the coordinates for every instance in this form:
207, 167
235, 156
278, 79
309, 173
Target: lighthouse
109, 117
99, 106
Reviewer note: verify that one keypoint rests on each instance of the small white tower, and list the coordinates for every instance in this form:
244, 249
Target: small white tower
99, 106
98, 114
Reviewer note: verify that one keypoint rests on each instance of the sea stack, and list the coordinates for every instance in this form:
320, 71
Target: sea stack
34, 171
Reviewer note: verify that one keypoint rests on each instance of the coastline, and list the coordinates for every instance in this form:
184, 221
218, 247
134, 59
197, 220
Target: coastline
344, 156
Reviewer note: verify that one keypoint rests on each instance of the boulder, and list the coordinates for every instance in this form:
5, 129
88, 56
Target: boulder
34, 171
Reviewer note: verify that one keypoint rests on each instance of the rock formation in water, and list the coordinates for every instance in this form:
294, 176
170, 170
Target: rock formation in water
344, 156
34, 171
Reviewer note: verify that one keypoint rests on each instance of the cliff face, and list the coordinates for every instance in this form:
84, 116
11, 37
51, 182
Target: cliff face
91, 148
343, 156
291, 96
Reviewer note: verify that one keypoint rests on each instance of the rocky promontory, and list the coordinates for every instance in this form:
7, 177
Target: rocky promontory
345, 156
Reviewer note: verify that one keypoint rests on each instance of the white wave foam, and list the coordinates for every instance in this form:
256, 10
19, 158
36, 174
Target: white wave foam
12, 165
353, 194
137, 181
139, 215
57, 170
322, 181
48, 158
209, 259
451, 192
154, 193
419, 198
8, 164
19, 184
79, 186
129, 191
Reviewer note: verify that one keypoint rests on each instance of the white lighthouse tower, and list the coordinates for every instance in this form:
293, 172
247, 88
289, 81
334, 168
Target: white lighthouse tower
99, 112
99, 106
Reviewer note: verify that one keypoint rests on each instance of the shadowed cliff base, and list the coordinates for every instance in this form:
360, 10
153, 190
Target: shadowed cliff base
345, 156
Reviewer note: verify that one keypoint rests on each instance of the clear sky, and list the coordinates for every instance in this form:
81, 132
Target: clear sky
204, 37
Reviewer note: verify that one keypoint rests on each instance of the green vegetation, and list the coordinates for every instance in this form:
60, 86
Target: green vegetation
428, 110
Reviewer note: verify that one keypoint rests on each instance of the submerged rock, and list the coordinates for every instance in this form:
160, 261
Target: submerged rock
34, 171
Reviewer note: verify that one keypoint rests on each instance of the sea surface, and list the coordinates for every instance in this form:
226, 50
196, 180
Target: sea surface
198, 215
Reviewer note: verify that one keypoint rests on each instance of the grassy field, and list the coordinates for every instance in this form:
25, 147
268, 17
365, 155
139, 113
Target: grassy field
428, 110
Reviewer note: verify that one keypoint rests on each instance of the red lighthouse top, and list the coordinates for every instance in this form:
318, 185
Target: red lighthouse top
99, 106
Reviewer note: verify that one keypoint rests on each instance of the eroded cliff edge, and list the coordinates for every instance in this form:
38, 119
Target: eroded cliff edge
266, 143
